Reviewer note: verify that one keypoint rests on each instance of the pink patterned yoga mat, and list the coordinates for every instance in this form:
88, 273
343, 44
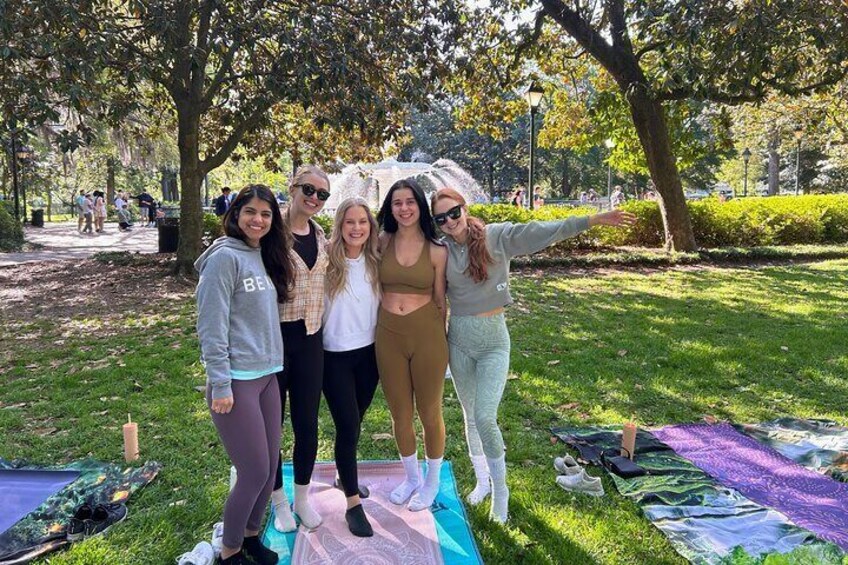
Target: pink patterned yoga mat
808, 499
400, 536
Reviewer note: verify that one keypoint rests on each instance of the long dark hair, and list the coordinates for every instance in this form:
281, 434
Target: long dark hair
389, 224
274, 245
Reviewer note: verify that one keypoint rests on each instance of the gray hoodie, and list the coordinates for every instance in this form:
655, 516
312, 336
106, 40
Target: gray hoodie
237, 318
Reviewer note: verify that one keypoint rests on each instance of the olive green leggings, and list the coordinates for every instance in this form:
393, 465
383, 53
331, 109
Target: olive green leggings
412, 356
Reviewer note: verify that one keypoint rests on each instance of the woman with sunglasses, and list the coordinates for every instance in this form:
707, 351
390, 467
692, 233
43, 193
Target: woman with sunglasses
350, 323
243, 275
478, 291
412, 353
300, 324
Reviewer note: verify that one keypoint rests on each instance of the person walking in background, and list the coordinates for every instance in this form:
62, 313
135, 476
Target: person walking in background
80, 204
300, 324
412, 352
517, 199
99, 211
243, 276
222, 202
88, 213
350, 324
478, 291
617, 197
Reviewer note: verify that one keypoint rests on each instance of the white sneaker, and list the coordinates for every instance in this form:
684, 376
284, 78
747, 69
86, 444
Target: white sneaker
202, 554
217, 538
581, 482
567, 465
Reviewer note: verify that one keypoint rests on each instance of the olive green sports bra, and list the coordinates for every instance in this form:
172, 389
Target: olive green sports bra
416, 279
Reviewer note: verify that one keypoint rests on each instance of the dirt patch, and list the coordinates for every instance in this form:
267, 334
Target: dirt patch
58, 290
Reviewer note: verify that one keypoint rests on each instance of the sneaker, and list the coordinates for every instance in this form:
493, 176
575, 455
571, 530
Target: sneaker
217, 538
202, 554
581, 482
103, 517
567, 465
236, 559
76, 529
255, 551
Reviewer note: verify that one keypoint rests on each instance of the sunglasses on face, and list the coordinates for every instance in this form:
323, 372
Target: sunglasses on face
454, 214
309, 190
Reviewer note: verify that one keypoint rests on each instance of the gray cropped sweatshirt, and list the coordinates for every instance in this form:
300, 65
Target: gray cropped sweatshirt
237, 318
505, 241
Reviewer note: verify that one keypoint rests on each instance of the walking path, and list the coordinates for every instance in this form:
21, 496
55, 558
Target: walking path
63, 241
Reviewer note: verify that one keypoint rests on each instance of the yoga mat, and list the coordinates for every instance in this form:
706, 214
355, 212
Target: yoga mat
24, 490
440, 535
764, 476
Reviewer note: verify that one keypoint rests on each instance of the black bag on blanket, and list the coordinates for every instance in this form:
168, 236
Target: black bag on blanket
621, 465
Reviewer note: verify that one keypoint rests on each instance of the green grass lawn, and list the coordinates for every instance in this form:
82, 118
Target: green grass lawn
745, 344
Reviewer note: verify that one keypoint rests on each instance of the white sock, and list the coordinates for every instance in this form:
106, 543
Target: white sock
413, 480
483, 488
428, 491
283, 518
500, 493
308, 516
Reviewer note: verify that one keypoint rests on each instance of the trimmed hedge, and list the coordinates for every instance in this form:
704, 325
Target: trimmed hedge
11, 232
778, 220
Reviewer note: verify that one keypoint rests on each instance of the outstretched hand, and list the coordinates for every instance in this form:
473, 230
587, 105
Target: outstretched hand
613, 218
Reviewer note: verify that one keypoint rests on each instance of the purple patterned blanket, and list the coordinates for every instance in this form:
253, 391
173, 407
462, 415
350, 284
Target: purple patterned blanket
807, 498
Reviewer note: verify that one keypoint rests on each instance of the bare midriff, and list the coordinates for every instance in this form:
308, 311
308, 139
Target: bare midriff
402, 304
498, 310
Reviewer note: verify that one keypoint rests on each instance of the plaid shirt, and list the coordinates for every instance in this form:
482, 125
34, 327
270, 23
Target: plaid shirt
307, 302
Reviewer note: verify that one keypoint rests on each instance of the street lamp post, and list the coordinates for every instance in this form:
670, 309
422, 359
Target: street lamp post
24, 153
799, 132
533, 96
746, 156
609, 143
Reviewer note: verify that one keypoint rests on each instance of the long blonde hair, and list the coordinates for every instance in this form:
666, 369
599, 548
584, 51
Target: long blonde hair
337, 268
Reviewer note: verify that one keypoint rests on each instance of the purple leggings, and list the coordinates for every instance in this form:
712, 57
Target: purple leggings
251, 435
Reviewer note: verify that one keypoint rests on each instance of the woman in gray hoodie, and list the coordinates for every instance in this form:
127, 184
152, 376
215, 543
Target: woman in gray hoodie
243, 276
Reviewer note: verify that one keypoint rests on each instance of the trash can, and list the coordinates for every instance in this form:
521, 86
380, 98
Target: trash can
37, 220
169, 235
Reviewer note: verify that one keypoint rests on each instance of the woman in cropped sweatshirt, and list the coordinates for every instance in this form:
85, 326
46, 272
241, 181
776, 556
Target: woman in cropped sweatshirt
243, 275
477, 291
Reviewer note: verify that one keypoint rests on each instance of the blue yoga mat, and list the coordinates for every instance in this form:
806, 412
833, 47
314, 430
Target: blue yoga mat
22, 491
455, 539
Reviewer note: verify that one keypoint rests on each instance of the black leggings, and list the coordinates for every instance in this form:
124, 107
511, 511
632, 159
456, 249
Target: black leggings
303, 368
350, 379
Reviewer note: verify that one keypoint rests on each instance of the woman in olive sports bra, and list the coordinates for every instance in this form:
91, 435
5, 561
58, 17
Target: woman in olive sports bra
411, 346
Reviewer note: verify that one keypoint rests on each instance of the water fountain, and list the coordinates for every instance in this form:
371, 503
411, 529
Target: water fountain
372, 181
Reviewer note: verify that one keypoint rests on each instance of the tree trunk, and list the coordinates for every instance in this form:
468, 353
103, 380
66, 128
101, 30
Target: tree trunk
773, 169
110, 180
652, 128
191, 178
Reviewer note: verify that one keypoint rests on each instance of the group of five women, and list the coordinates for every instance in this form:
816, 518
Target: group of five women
284, 313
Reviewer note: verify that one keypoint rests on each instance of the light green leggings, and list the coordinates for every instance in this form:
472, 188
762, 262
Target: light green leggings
479, 362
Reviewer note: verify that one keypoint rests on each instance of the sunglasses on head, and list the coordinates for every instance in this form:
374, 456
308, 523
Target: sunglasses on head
454, 214
309, 190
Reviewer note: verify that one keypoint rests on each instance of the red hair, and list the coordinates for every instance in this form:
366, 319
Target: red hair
479, 257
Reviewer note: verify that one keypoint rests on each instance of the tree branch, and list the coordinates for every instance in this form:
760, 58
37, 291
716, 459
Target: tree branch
217, 159
225, 67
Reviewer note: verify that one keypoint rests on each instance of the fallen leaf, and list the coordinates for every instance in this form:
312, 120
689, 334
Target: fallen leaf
382, 436
511, 377
570, 406
554, 362
554, 440
622, 352
784, 348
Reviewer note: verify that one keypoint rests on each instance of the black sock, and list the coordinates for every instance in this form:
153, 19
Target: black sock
357, 522
234, 559
254, 549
